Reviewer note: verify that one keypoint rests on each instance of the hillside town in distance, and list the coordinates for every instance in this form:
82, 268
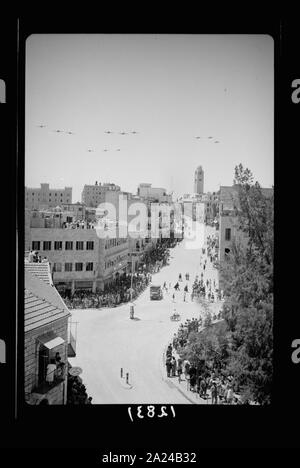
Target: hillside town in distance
141, 298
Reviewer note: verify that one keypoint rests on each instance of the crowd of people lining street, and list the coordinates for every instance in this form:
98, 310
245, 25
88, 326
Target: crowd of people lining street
206, 381
209, 383
77, 394
112, 295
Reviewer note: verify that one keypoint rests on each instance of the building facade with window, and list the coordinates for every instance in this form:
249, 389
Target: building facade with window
93, 195
228, 221
155, 194
46, 334
44, 197
78, 258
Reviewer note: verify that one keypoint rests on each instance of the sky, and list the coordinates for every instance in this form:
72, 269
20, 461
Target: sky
169, 89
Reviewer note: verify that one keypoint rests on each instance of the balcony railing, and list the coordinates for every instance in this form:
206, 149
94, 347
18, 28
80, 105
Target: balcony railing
51, 380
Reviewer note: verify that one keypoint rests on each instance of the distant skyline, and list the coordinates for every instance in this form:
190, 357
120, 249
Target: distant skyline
168, 88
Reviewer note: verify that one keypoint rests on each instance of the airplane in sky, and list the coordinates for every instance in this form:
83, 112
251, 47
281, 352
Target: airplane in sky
118, 149
123, 133
90, 151
217, 142
108, 131
105, 149
134, 132
41, 126
70, 133
58, 131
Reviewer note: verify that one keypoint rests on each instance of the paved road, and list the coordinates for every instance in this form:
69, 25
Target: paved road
108, 340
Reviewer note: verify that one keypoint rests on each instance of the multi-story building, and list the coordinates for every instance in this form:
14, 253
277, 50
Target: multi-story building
75, 210
228, 222
44, 197
78, 257
211, 206
46, 333
93, 195
155, 194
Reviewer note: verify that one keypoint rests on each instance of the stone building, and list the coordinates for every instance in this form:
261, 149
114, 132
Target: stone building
199, 180
228, 222
44, 197
46, 333
93, 195
78, 258
155, 194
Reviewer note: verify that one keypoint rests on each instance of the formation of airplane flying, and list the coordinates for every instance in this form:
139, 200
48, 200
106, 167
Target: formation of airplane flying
198, 137
134, 132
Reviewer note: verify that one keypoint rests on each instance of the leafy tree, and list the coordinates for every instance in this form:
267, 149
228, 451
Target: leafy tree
244, 343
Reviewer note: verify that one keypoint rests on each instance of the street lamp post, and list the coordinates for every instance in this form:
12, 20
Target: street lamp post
131, 283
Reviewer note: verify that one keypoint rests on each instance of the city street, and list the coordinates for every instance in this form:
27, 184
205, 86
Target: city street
108, 340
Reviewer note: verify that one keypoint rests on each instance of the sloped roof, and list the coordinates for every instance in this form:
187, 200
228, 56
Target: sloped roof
42, 303
40, 270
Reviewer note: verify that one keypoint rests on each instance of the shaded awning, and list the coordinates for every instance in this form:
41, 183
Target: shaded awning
51, 340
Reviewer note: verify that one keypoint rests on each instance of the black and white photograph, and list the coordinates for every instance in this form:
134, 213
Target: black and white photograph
149, 218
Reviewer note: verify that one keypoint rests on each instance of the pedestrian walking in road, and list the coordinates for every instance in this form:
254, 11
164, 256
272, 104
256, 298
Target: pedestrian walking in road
180, 277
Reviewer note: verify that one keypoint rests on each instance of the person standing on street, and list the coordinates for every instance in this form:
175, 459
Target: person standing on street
168, 366
173, 363
179, 369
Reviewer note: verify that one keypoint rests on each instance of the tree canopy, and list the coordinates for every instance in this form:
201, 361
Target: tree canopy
244, 346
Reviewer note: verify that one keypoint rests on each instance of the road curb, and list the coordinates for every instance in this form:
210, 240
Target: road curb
125, 385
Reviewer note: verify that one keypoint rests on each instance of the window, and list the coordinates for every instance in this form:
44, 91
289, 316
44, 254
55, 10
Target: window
58, 245
47, 245
89, 266
90, 245
78, 266
227, 234
36, 245
68, 266
69, 245
57, 267
79, 245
